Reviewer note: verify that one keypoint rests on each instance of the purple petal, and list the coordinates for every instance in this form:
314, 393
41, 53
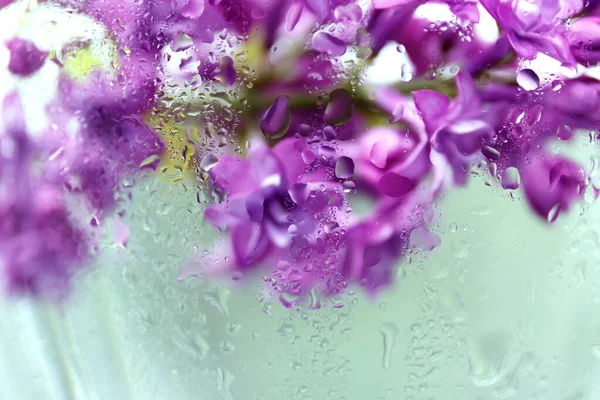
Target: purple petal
267, 169
319, 7
433, 106
4, 3
275, 13
255, 206
340, 107
387, 24
289, 153
276, 120
394, 185
467, 93
379, 154
293, 15
584, 40
227, 74
552, 184
232, 174
299, 193
25, 57
250, 244
190, 8
324, 42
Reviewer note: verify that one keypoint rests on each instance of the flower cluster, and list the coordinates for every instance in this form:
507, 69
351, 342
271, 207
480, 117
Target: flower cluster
321, 172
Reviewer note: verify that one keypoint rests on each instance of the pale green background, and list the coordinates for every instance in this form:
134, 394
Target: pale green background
506, 308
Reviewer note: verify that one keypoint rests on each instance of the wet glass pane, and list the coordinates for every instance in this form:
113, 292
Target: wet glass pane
303, 199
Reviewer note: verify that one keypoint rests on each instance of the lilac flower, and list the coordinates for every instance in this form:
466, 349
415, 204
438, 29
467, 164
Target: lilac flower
279, 209
265, 197
25, 57
533, 119
552, 184
535, 26
458, 129
40, 247
372, 250
385, 153
115, 139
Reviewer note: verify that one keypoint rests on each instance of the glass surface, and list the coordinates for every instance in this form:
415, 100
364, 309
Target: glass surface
505, 308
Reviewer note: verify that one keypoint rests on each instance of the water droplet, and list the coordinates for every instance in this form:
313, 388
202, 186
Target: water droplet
276, 120
557, 85
351, 12
327, 152
288, 300
378, 154
227, 346
192, 344
528, 79
299, 193
564, 132
342, 318
344, 168
340, 107
363, 37
181, 42
227, 74
397, 113
389, 331
150, 162
554, 212
286, 329
488, 358
422, 238
308, 157
208, 162
490, 153
232, 328
325, 43
510, 178
218, 298
329, 133
224, 379
314, 301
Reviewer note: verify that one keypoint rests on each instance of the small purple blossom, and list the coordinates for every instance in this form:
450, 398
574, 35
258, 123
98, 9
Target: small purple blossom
458, 130
552, 184
270, 202
40, 246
